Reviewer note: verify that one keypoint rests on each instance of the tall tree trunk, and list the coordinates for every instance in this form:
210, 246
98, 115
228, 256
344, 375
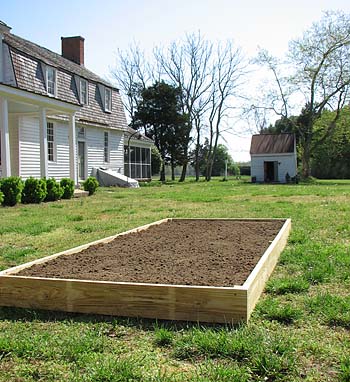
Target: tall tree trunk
212, 149
197, 168
185, 162
172, 170
209, 159
197, 158
162, 172
306, 159
183, 173
196, 152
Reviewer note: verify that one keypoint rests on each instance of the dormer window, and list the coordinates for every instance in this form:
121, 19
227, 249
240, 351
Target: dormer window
108, 99
84, 92
51, 81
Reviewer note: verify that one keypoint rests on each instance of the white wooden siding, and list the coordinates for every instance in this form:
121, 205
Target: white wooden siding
13, 133
60, 167
95, 149
287, 164
29, 147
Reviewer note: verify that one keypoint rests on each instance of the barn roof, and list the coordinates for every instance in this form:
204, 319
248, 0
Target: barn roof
272, 143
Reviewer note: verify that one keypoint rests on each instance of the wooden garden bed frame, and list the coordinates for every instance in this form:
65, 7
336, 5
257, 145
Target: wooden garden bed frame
162, 301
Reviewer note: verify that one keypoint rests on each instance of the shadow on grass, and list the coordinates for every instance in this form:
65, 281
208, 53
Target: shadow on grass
146, 324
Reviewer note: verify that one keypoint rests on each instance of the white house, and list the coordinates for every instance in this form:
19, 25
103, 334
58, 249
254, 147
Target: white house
273, 157
57, 118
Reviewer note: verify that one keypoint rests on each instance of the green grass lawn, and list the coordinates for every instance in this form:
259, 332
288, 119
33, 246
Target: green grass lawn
299, 331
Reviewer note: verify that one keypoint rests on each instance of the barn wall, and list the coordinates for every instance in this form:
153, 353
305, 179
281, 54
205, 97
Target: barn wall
287, 164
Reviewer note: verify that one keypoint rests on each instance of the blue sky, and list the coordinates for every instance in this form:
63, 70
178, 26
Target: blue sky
108, 25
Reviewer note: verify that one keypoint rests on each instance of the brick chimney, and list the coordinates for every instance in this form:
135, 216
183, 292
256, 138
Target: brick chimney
73, 49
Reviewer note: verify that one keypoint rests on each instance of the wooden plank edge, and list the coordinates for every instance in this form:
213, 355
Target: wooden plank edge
80, 248
209, 287
281, 234
173, 303
230, 219
262, 273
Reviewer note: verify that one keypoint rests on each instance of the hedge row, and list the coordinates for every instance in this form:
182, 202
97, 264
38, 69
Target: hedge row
13, 190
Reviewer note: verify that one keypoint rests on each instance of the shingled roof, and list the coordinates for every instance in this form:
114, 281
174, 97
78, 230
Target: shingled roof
272, 143
51, 58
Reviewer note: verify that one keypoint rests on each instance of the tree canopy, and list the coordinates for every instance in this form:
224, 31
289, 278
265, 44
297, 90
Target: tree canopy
160, 114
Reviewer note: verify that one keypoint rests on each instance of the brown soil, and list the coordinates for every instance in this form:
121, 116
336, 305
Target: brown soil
183, 252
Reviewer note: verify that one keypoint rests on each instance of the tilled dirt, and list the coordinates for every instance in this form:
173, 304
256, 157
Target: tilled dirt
178, 252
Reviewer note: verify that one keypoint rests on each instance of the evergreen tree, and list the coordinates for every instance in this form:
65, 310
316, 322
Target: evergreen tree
159, 112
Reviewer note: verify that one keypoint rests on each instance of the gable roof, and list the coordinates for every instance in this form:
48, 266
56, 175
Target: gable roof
51, 58
272, 143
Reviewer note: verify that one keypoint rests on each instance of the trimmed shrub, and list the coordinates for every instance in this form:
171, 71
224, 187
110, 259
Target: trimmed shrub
11, 188
67, 186
54, 190
1, 197
91, 184
34, 190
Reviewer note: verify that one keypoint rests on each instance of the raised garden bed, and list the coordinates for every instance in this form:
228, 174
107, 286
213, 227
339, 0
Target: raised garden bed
210, 270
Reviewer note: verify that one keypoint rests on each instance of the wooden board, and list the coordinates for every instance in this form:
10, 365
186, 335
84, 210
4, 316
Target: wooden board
256, 281
172, 302
187, 303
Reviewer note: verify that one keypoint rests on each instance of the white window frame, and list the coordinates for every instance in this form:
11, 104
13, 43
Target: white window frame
54, 82
108, 105
106, 157
84, 100
53, 142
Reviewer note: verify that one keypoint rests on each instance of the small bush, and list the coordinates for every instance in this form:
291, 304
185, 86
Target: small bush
54, 190
34, 190
90, 185
67, 186
11, 188
1, 197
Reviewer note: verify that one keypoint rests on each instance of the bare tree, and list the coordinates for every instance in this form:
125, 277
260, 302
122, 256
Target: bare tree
227, 77
207, 81
132, 74
187, 65
199, 112
272, 97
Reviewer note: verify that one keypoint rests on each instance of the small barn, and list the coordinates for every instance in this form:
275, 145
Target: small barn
273, 158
